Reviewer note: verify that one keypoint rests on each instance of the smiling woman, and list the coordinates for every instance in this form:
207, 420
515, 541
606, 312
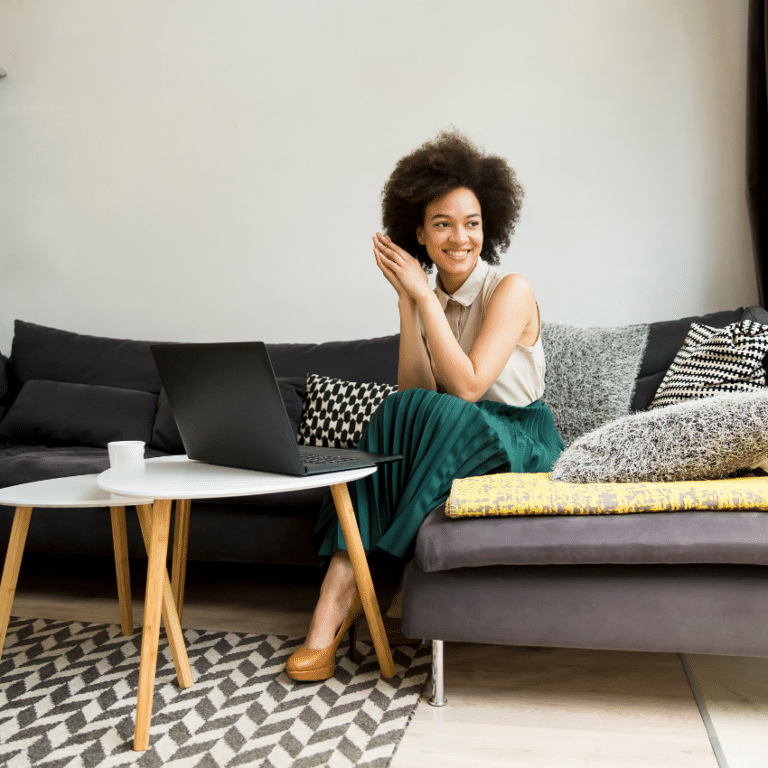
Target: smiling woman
470, 373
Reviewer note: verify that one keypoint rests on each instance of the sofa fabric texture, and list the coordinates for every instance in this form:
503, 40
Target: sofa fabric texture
57, 413
670, 608
642, 539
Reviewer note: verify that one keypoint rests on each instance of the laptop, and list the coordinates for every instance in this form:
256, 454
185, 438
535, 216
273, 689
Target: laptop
229, 411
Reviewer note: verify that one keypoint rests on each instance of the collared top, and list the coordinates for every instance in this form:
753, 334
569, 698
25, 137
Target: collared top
522, 379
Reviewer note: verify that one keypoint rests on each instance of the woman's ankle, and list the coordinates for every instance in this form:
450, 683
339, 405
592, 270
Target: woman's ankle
336, 595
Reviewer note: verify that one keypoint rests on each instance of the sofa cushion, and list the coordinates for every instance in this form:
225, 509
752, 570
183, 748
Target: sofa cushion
28, 464
664, 340
38, 352
695, 440
336, 412
165, 432
645, 538
54, 413
607, 358
359, 360
715, 361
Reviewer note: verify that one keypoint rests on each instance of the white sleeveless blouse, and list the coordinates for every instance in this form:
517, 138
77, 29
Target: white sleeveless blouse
522, 379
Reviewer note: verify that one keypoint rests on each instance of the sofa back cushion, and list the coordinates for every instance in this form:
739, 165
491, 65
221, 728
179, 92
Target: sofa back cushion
53, 413
73, 389
362, 360
38, 352
590, 374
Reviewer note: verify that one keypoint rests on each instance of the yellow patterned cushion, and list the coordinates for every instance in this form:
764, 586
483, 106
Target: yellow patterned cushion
538, 494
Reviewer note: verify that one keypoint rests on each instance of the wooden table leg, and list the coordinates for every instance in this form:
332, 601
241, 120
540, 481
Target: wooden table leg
122, 567
157, 577
11, 568
351, 532
170, 617
180, 546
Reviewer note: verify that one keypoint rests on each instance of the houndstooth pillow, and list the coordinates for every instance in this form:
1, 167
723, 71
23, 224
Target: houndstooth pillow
715, 361
335, 412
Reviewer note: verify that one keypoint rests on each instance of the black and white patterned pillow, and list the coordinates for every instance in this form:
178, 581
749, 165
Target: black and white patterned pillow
715, 361
335, 412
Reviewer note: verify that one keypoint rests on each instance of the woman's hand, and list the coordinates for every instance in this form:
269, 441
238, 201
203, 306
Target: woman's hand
400, 268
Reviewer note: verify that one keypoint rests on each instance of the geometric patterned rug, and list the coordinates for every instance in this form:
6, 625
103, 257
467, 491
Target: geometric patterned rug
68, 698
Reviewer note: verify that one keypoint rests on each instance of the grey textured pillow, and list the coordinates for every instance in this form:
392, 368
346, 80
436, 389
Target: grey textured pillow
591, 374
695, 440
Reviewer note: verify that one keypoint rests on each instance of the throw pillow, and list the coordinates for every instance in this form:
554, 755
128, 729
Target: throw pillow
715, 361
607, 358
336, 412
39, 352
695, 440
55, 413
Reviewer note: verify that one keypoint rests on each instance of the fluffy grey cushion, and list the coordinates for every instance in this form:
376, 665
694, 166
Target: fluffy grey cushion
591, 374
695, 440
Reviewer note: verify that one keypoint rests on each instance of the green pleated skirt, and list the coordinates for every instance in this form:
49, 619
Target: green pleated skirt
440, 438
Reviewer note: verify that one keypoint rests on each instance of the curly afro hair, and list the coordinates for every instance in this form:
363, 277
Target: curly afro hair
438, 167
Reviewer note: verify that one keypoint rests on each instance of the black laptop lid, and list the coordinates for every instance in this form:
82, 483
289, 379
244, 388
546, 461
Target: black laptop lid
227, 405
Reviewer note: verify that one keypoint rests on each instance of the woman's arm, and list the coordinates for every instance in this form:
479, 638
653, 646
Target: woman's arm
413, 369
512, 317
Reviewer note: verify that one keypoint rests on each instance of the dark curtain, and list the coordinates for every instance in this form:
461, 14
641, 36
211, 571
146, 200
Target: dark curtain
757, 139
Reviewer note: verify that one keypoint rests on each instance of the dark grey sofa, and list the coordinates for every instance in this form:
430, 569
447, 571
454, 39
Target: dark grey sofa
668, 582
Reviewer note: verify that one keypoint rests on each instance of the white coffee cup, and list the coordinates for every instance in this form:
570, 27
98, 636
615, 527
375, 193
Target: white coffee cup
126, 453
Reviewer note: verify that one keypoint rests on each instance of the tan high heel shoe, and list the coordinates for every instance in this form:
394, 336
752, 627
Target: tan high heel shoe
312, 665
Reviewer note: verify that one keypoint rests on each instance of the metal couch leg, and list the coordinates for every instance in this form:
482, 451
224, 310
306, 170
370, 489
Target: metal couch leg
438, 691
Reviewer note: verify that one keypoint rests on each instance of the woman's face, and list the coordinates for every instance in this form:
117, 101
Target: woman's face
453, 235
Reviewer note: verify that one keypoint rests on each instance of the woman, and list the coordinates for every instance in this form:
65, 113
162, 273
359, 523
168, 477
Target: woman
470, 375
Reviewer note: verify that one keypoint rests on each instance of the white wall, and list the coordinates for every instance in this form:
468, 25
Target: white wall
193, 170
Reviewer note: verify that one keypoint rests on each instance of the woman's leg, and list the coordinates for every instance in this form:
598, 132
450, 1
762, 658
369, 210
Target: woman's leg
336, 594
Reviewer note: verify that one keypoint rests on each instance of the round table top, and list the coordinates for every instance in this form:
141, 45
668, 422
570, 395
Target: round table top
75, 492
176, 477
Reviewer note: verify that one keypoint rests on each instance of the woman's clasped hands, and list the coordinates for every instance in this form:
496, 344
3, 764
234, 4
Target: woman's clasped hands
400, 268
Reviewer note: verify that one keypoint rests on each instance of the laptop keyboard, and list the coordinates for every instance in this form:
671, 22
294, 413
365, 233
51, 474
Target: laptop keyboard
321, 458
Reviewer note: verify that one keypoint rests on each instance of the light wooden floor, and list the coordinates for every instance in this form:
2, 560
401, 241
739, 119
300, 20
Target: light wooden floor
522, 707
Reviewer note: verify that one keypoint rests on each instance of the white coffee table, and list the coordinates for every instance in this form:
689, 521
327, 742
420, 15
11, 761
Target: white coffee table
80, 492
177, 478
